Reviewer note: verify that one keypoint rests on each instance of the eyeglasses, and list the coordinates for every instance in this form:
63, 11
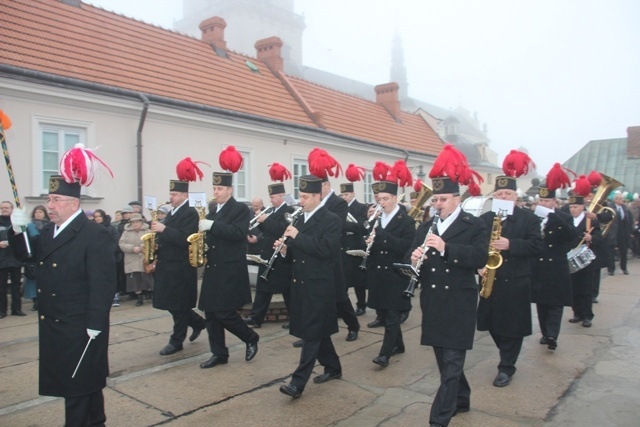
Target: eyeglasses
441, 199
58, 199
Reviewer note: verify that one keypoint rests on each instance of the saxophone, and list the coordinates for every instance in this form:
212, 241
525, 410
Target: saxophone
149, 242
495, 259
197, 250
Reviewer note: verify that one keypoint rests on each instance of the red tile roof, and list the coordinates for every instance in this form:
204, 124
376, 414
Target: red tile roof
98, 46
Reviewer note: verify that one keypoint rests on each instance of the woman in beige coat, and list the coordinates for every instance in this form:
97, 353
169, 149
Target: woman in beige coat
131, 244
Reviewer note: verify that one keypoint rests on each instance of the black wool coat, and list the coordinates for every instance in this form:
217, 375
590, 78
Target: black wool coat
339, 207
551, 279
175, 280
507, 311
353, 238
225, 285
582, 282
386, 284
449, 295
76, 283
313, 313
279, 277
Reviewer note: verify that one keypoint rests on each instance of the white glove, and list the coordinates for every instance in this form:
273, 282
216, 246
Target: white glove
205, 224
93, 333
19, 220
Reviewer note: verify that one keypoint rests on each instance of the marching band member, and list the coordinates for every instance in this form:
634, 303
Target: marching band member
272, 226
225, 285
175, 280
452, 246
506, 314
551, 278
389, 240
311, 246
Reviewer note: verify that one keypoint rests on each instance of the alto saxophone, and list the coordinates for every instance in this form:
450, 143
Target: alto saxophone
149, 242
197, 250
495, 259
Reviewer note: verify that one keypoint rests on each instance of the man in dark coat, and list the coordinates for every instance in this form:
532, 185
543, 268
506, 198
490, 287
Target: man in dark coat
278, 279
621, 233
506, 314
583, 281
353, 238
10, 267
551, 279
175, 280
455, 249
389, 242
312, 244
76, 278
225, 285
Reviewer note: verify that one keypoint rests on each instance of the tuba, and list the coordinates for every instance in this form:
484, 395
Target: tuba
149, 242
416, 212
197, 250
598, 203
495, 259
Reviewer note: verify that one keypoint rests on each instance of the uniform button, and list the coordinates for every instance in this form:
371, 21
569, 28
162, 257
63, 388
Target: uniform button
550, 231
550, 246
378, 267
41, 317
541, 259
386, 268
302, 262
57, 321
446, 287
455, 261
207, 266
39, 290
294, 280
447, 270
550, 259
433, 286
53, 295
433, 269
41, 263
54, 265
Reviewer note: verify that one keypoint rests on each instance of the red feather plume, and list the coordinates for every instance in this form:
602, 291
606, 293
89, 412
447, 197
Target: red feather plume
583, 187
188, 170
557, 178
417, 186
400, 174
322, 165
450, 162
80, 165
278, 172
5, 121
380, 171
517, 164
354, 173
595, 178
474, 189
230, 159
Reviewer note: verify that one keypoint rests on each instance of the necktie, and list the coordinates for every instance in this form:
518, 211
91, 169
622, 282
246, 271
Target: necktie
620, 212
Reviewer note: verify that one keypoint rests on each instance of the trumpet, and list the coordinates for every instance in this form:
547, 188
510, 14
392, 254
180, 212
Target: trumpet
372, 237
409, 292
291, 218
266, 211
376, 212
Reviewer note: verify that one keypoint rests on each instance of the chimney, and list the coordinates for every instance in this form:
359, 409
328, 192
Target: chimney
74, 3
269, 51
213, 32
633, 142
387, 96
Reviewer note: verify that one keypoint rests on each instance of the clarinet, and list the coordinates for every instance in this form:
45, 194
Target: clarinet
292, 219
409, 292
363, 266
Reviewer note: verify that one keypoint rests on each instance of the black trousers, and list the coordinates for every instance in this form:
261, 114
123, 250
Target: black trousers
16, 299
346, 312
261, 305
321, 350
582, 287
86, 410
218, 321
454, 390
509, 351
392, 331
550, 318
623, 248
596, 285
181, 322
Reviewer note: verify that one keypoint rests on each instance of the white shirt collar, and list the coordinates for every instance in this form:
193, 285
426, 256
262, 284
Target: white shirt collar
578, 219
384, 218
444, 224
58, 228
308, 215
174, 210
324, 200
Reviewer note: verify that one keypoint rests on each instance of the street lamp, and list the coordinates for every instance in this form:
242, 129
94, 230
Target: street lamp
421, 173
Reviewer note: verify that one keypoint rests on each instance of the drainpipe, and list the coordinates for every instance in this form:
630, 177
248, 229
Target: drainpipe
143, 117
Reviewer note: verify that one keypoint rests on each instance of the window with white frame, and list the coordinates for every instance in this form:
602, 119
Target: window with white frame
300, 168
55, 140
368, 192
241, 190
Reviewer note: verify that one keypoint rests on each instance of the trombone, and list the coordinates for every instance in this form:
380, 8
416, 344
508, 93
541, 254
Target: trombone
266, 211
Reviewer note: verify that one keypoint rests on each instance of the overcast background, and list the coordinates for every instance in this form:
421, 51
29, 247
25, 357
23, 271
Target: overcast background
547, 75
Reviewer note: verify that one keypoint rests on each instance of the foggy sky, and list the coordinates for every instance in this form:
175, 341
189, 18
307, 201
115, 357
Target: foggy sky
547, 75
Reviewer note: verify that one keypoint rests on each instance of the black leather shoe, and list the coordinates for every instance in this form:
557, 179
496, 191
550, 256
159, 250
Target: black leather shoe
460, 410
298, 343
327, 376
3, 315
594, 300
375, 324
404, 316
552, 343
544, 341
252, 350
397, 350
625, 272
435, 425
285, 325
586, 323
382, 361
352, 336
215, 360
252, 323
611, 273
291, 390
360, 311
170, 349
502, 380
195, 334
575, 319
18, 313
